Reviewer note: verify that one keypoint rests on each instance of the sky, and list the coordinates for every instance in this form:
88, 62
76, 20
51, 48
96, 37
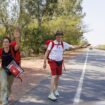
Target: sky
95, 21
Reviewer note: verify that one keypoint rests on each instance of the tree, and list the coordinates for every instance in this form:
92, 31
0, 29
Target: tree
40, 19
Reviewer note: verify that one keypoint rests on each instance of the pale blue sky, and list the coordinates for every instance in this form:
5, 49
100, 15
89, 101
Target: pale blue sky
95, 20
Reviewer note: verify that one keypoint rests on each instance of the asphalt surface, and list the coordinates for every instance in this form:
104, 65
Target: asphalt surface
82, 84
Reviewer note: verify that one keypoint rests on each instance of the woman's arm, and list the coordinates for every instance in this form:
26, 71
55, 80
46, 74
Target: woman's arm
45, 59
47, 54
17, 39
74, 48
71, 47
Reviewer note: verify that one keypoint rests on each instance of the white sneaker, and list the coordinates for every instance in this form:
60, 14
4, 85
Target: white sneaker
52, 97
56, 93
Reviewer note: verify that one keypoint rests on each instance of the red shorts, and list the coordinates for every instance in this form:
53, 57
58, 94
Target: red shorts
55, 69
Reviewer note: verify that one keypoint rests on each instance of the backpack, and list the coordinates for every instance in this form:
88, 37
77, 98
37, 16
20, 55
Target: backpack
52, 41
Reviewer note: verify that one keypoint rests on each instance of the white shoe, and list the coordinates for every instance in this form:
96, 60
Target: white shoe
52, 97
56, 93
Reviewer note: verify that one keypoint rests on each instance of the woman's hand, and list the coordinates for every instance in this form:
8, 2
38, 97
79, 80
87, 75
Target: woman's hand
17, 38
44, 65
16, 34
45, 59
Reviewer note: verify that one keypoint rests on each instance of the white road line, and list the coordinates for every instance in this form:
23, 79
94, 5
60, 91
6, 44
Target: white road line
79, 89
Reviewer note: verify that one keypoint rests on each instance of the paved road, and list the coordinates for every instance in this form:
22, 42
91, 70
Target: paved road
83, 84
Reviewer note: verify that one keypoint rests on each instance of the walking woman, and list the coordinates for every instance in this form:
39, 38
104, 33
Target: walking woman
6, 55
54, 54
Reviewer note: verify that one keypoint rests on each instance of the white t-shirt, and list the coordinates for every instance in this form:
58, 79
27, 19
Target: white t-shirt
57, 51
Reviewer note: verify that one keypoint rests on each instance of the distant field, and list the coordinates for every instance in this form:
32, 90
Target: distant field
101, 47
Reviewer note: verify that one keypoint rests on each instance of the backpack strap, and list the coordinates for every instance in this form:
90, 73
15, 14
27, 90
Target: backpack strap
51, 48
62, 44
52, 45
56, 44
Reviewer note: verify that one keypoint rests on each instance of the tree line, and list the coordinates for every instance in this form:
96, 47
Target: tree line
40, 19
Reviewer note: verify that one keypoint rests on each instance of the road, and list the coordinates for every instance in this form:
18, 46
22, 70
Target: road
82, 84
